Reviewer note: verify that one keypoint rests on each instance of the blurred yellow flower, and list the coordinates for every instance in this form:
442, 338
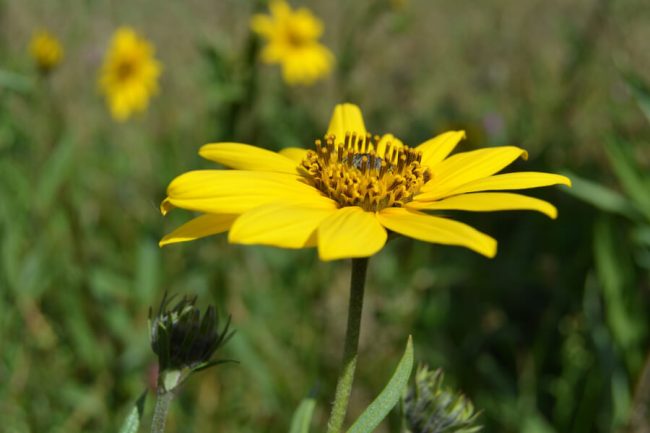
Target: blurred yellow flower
346, 194
46, 50
292, 41
129, 76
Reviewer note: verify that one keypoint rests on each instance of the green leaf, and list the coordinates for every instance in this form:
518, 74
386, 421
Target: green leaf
641, 93
132, 422
55, 173
389, 397
628, 174
16, 82
302, 416
616, 275
600, 196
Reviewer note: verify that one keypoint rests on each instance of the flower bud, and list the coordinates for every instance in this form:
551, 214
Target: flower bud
430, 408
184, 340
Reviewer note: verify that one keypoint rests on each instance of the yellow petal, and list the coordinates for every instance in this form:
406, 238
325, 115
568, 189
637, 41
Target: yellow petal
296, 154
346, 118
262, 25
165, 206
280, 225
385, 141
235, 192
246, 157
199, 227
437, 148
519, 180
436, 230
488, 202
350, 232
466, 167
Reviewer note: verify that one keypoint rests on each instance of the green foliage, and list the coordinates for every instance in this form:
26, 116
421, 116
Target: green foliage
132, 422
550, 336
389, 397
302, 416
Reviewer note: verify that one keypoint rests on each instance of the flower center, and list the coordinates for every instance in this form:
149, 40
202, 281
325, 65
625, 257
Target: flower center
365, 171
125, 69
295, 36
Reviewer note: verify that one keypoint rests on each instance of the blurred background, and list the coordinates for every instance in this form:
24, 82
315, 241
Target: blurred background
550, 336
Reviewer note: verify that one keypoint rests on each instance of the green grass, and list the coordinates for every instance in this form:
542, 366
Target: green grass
550, 336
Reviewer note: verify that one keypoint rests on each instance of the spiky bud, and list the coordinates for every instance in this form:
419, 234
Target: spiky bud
183, 340
431, 408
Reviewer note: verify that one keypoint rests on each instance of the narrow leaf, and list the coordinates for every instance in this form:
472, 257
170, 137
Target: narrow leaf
629, 175
640, 91
132, 422
54, 174
389, 397
600, 196
302, 416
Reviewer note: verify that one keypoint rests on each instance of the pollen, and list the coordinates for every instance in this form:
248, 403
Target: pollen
365, 171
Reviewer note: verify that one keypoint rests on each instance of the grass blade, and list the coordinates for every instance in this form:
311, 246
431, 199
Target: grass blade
132, 422
389, 397
302, 417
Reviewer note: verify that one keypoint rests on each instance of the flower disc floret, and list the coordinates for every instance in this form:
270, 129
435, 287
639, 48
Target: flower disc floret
365, 171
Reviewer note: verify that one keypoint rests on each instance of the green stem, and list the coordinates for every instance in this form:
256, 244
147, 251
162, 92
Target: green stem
355, 308
160, 411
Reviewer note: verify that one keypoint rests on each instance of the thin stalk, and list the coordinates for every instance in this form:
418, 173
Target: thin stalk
160, 411
346, 377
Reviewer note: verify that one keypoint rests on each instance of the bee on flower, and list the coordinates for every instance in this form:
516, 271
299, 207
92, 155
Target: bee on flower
129, 75
292, 41
46, 50
345, 195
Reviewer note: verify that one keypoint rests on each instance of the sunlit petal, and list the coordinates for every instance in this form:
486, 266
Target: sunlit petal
233, 191
346, 118
281, 225
488, 202
437, 148
199, 227
296, 154
519, 180
350, 232
466, 167
246, 157
436, 230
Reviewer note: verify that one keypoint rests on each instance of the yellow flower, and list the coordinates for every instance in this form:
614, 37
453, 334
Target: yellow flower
46, 50
129, 76
345, 194
292, 37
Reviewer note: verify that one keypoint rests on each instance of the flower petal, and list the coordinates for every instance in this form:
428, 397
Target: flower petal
296, 154
488, 202
466, 167
166, 206
246, 157
280, 225
346, 118
437, 148
199, 227
519, 180
350, 232
436, 230
385, 141
235, 192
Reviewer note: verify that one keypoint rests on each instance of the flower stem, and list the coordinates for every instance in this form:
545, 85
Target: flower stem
355, 307
160, 411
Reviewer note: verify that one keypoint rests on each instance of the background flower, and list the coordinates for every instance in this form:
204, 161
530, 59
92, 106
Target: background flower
46, 50
292, 41
129, 76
